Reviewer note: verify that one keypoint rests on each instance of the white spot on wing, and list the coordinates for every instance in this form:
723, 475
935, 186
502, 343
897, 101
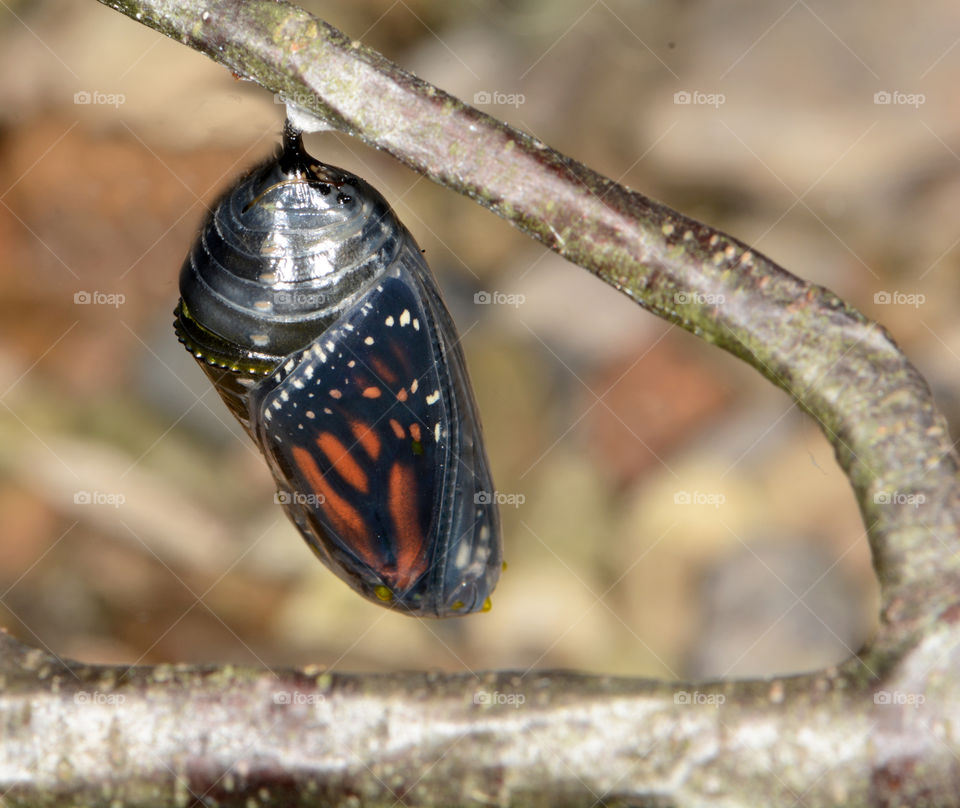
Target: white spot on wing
463, 555
434, 397
389, 321
368, 341
405, 317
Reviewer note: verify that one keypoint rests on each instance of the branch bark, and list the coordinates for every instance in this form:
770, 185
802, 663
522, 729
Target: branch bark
877, 730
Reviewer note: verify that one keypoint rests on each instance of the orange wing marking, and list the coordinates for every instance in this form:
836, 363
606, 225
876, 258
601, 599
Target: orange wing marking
367, 438
346, 519
340, 459
401, 496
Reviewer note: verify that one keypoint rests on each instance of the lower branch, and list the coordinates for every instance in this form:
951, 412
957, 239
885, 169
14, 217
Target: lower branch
79, 735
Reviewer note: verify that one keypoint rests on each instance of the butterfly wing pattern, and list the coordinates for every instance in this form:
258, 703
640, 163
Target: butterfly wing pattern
373, 437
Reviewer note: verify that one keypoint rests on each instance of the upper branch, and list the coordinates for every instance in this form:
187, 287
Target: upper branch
843, 369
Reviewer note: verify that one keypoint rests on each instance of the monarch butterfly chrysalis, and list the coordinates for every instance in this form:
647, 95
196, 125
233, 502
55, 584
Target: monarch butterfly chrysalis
310, 307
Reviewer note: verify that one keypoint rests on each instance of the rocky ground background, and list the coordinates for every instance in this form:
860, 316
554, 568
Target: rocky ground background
674, 514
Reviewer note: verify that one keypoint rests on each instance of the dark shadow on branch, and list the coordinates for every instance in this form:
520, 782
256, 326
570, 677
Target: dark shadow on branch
878, 730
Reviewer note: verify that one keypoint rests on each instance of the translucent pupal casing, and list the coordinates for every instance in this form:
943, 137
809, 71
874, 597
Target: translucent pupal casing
311, 308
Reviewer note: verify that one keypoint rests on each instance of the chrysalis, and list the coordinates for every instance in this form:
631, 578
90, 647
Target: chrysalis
310, 307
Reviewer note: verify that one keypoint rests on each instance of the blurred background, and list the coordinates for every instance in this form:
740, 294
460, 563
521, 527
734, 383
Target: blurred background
672, 514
